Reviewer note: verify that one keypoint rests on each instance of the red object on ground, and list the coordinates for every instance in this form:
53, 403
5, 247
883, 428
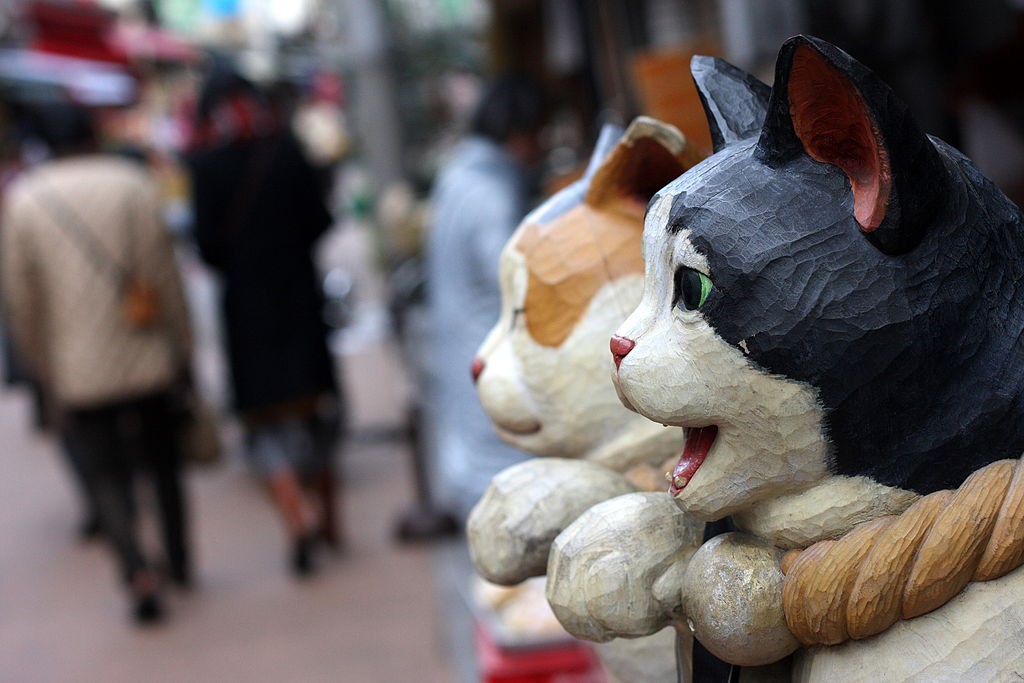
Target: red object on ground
570, 662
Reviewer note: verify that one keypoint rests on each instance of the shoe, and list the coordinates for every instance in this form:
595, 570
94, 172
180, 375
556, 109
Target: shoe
89, 529
329, 538
181, 578
148, 610
302, 556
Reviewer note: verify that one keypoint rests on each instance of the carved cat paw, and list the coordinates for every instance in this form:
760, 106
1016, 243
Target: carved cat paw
526, 506
616, 571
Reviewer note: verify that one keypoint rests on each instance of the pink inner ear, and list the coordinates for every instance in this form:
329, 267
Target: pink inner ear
835, 126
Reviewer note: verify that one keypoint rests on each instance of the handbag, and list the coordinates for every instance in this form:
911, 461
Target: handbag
201, 442
140, 306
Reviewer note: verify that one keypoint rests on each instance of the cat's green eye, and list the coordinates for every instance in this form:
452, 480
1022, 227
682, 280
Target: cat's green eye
692, 288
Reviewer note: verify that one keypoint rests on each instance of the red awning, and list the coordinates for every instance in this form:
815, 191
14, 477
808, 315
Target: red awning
74, 28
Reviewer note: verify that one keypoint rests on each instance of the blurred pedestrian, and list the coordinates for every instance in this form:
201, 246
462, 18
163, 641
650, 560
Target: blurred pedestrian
477, 201
258, 212
95, 307
15, 135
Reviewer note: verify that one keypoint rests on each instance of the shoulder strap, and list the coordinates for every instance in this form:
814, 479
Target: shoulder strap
75, 227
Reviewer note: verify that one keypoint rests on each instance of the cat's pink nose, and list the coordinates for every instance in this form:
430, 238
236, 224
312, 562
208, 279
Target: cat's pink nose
621, 348
475, 368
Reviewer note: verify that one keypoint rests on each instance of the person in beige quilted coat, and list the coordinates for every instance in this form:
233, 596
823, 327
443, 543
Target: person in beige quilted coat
95, 307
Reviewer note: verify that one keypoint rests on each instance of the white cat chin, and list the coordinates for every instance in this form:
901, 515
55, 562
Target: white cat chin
737, 475
510, 414
558, 401
680, 372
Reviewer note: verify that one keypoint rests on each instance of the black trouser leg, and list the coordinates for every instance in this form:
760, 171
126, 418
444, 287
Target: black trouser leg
69, 449
107, 468
161, 452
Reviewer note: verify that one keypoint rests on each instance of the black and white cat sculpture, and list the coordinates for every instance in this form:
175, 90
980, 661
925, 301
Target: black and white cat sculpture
833, 313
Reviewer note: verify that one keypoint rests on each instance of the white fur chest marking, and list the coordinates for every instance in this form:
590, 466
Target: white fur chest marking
827, 510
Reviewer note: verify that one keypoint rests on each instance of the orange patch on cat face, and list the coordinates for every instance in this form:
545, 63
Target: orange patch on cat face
569, 260
597, 242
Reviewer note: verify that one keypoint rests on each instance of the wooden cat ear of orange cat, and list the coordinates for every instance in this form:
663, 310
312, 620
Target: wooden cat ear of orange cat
648, 156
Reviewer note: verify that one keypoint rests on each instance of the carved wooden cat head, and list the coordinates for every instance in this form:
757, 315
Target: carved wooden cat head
831, 294
571, 273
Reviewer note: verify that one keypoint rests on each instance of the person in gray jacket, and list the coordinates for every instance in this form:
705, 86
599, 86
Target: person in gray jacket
479, 198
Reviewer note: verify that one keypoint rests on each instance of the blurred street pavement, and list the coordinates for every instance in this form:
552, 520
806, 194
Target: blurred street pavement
371, 614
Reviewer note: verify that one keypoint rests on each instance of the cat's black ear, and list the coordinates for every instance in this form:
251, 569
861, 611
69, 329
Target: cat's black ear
831, 107
735, 102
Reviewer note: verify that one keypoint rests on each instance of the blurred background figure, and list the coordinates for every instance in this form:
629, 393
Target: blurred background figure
258, 212
320, 126
479, 198
95, 307
24, 145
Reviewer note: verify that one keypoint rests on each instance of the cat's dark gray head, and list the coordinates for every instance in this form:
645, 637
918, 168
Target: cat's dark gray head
833, 274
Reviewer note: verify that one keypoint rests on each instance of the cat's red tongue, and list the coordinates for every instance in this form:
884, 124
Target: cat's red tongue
698, 442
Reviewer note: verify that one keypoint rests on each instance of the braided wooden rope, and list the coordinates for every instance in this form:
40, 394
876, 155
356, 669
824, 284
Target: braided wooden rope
903, 566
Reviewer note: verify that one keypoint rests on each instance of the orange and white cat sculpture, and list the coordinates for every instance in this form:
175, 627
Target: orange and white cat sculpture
569, 275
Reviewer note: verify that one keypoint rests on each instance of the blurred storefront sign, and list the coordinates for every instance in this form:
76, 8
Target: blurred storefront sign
180, 15
222, 9
431, 15
140, 41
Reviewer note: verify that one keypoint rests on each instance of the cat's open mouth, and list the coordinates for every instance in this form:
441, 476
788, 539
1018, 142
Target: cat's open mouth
699, 441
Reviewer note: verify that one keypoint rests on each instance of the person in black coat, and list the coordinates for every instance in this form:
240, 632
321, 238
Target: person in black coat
258, 211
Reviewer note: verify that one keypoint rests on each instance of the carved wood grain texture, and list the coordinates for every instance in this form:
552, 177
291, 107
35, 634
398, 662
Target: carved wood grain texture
615, 572
526, 506
876, 599
901, 567
977, 636
826, 585
952, 548
597, 241
1006, 549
